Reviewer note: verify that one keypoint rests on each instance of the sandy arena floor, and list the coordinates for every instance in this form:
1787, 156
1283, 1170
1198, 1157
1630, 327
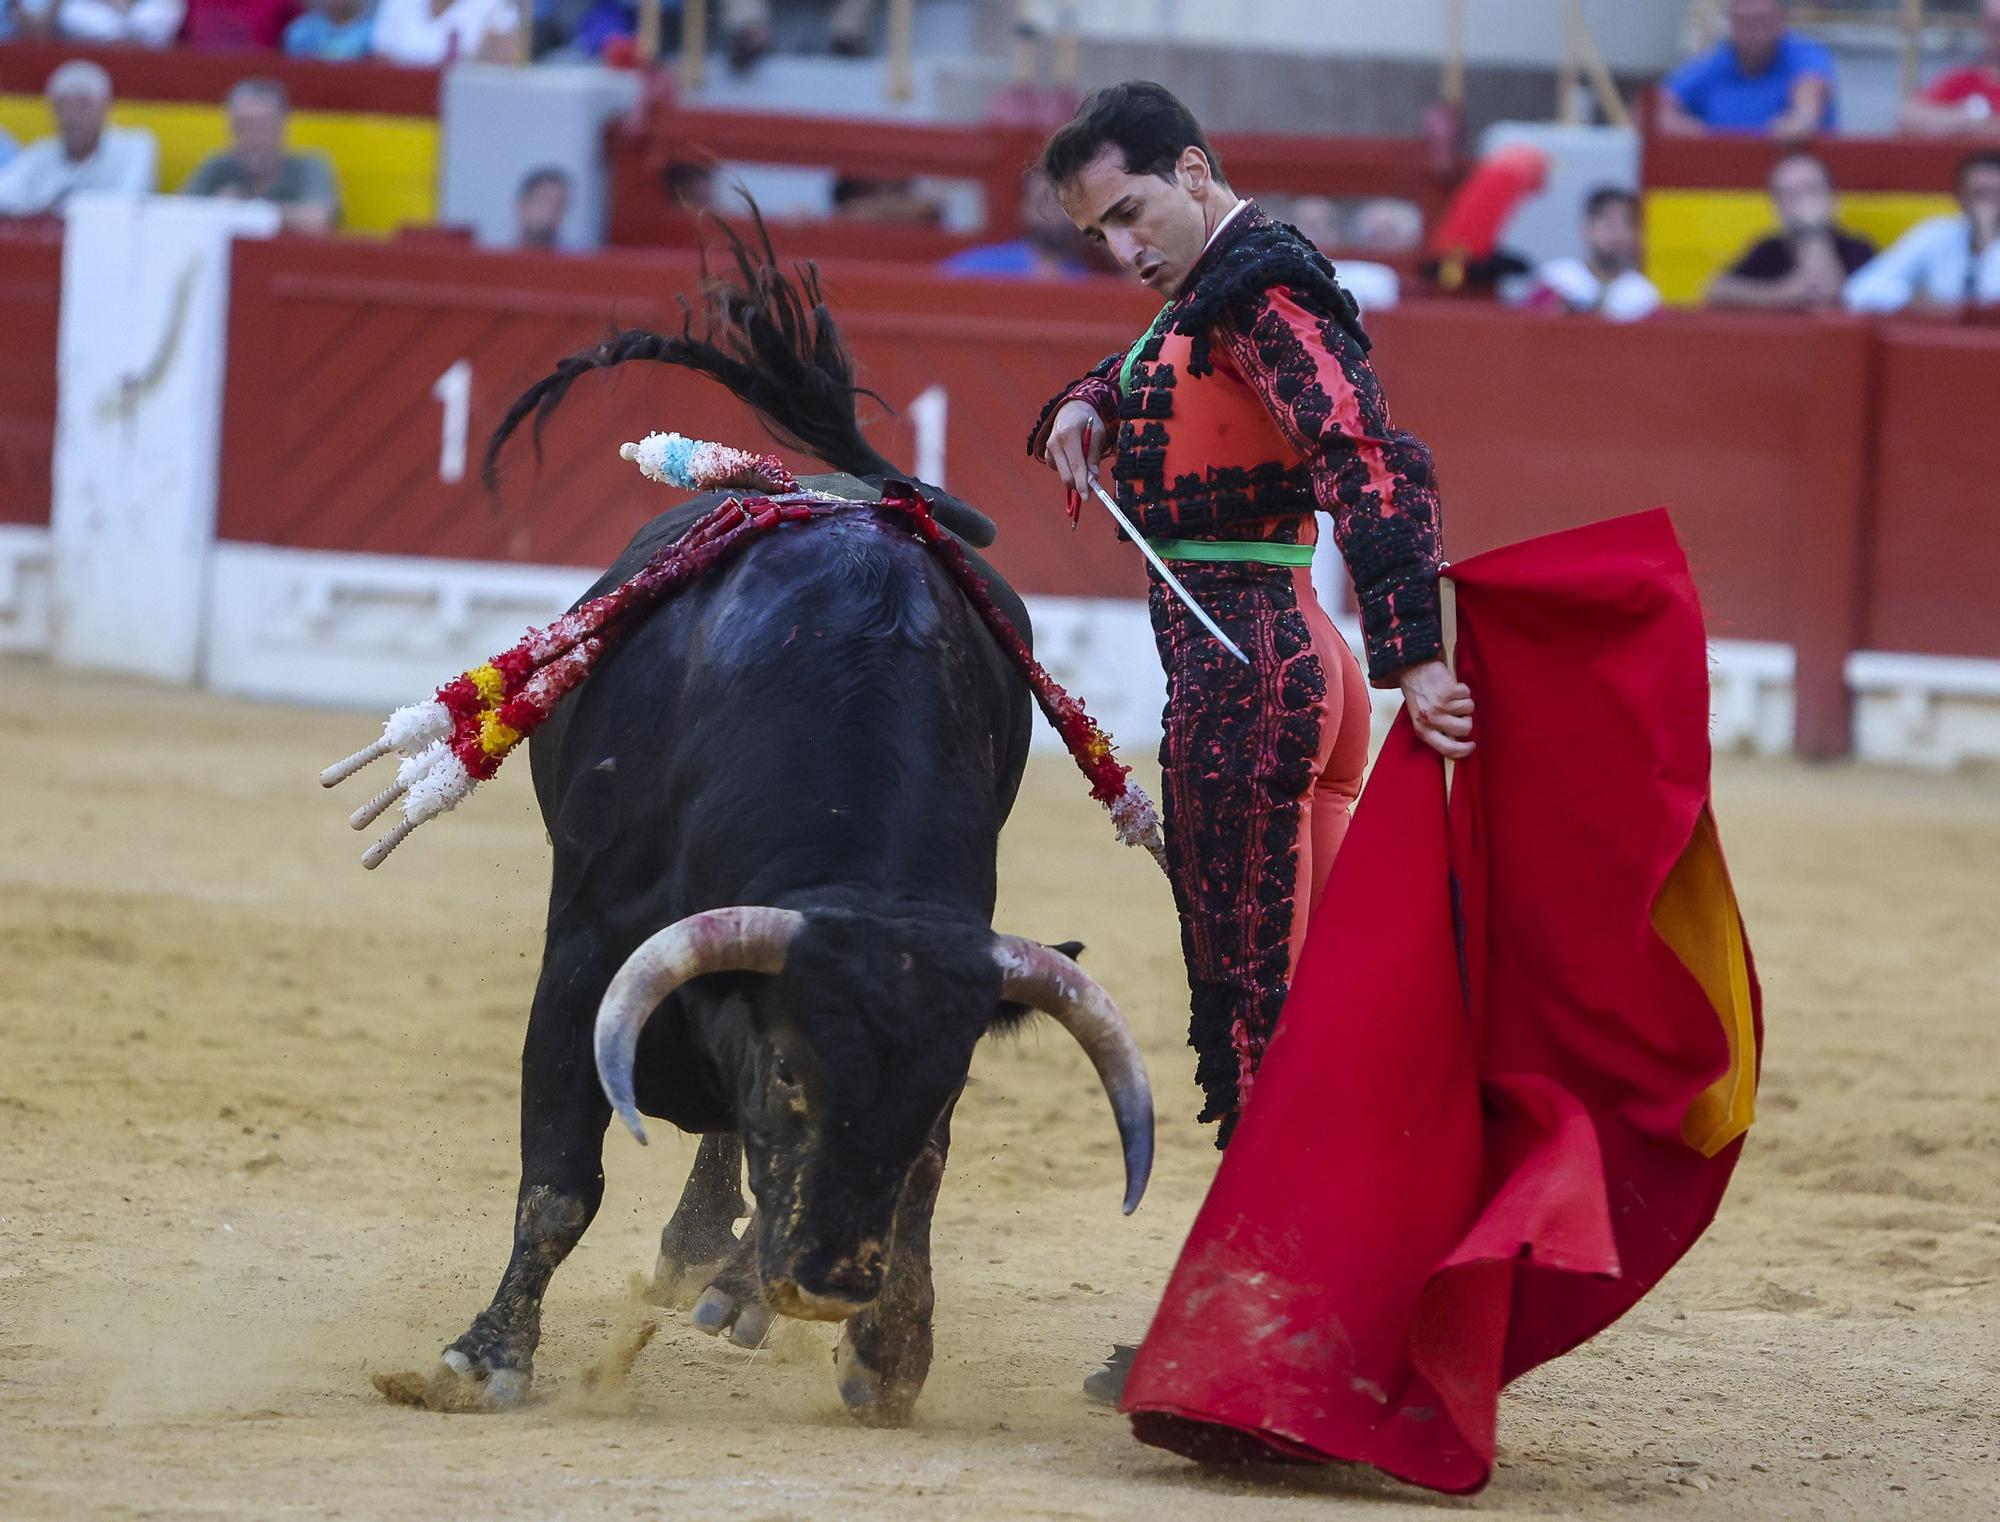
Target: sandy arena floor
257, 1123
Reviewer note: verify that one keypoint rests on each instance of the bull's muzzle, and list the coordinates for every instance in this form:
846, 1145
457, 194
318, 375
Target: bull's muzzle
834, 1293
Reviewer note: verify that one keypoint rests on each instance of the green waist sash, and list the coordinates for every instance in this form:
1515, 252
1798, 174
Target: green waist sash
1250, 550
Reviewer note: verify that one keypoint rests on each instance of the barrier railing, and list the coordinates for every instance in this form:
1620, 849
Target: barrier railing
204, 77
992, 155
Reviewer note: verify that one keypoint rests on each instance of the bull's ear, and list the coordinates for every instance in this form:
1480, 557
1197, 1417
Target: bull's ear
1010, 1015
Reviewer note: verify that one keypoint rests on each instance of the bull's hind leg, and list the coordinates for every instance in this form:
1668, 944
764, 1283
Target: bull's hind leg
700, 1236
563, 1116
885, 1352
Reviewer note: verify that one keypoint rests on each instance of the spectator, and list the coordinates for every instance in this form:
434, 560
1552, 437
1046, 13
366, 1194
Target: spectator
689, 184
884, 203
428, 33
748, 25
237, 25
256, 167
1318, 217
1947, 263
1805, 265
1606, 282
335, 31
148, 23
609, 29
1386, 225
1765, 78
540, 206
85, 154
1965, 101
1049, 248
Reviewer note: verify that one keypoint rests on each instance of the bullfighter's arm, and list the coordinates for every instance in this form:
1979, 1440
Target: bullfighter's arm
1098, 388
1378, 485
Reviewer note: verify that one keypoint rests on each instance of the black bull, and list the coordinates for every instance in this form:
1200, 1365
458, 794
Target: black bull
776, 806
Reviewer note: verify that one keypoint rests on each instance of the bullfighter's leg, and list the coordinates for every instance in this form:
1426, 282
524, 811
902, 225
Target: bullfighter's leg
701, 1235
563, 1116
884, 1354
1243, 749
733, 1305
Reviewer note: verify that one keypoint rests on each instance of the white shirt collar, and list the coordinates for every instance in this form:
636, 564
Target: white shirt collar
1241, 202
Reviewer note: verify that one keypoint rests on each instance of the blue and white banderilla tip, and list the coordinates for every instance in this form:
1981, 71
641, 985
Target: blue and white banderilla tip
673, 458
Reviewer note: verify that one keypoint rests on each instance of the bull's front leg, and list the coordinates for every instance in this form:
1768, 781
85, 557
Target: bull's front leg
884, 1354
700, 1236
563, 1116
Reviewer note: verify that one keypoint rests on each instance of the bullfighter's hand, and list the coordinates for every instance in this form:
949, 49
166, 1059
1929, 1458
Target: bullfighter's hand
1076, 445
1440, 706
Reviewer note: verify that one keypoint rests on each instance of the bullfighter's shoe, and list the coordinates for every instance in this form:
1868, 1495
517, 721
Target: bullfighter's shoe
1106, 1386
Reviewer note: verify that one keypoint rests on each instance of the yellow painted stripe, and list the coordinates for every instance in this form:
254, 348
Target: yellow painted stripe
387, 165
1694, 235
1696, 916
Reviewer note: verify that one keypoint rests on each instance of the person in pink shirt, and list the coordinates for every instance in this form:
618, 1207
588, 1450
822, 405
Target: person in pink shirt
1964, 102
237, 24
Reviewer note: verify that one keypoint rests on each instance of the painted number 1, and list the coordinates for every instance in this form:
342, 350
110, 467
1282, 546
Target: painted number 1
928, 413
454, 390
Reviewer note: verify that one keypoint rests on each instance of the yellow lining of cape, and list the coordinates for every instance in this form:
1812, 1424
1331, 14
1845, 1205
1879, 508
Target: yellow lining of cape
1696, 915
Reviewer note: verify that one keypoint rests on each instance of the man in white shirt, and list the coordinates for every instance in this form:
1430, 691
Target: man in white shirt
85, 154
431, 33
1607, 281
142, 23
1948, 263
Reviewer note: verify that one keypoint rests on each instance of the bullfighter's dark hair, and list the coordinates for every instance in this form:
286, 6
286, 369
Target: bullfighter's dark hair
1145, 122
766, 336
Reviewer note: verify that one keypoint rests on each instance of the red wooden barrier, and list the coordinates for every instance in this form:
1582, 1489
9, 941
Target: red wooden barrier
334, 437
1936, 540
195, 75
1787, 448
30, 288
1738, 161
1754, 431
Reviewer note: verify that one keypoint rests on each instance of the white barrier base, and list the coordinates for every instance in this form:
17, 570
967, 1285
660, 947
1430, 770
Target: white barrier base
1933, 711
27, 566
375, 631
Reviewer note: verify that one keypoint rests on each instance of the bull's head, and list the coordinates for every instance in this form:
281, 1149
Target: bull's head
858, 1038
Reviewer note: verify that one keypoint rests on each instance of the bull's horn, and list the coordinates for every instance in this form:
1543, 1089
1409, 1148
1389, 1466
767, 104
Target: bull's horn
719, 940
1047, 980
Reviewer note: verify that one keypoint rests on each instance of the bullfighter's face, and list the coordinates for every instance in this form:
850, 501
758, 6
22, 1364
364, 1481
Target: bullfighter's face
1155, 226
858, 1049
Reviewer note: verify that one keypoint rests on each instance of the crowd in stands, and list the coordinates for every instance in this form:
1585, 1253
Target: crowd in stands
1763, 78
87, 153
418, 33
1766, 78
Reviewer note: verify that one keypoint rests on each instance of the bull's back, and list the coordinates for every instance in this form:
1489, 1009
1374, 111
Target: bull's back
824, 689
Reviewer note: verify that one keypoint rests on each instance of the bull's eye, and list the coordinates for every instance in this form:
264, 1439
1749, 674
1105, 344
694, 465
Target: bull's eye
781, 1070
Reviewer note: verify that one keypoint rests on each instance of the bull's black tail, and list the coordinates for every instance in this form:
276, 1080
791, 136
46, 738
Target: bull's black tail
766, 336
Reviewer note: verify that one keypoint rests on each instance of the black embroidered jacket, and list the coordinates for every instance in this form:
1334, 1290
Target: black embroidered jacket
1249, 403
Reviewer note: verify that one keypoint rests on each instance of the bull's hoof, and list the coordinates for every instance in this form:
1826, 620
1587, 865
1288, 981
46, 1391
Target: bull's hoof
677, 1284
745, 1322
456, 1385
479, 1372
873, 1398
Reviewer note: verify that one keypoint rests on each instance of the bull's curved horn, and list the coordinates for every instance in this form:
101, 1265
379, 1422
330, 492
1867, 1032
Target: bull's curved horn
1047, 980
719, 940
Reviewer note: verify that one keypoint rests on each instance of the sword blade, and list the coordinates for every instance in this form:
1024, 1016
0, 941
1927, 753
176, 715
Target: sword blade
1172, 581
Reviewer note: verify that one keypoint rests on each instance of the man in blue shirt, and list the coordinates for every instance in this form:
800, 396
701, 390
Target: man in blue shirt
1766, 78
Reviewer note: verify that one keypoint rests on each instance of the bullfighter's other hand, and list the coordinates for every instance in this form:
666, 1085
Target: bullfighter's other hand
1440, 707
